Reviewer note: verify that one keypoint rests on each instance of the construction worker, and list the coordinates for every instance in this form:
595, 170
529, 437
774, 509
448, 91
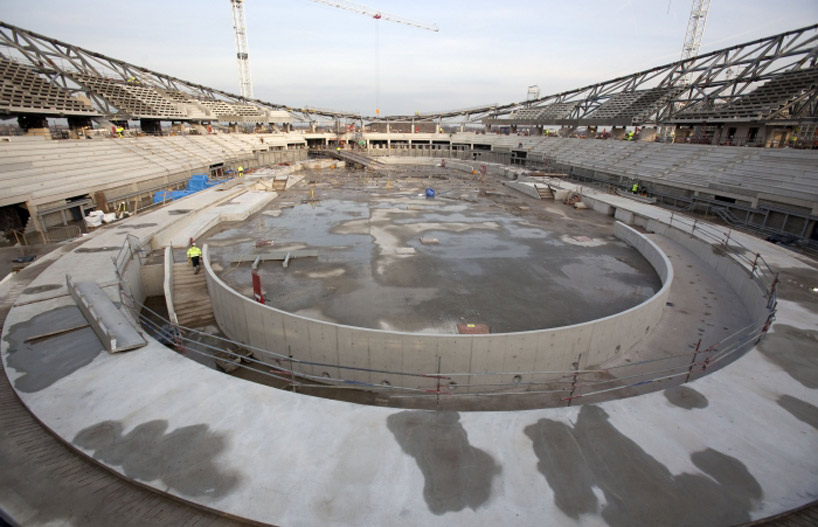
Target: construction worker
241, 172
630, 135
635, 188
121, 210
194, 255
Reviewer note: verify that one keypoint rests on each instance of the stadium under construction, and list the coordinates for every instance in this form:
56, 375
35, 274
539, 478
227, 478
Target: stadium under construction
595, 307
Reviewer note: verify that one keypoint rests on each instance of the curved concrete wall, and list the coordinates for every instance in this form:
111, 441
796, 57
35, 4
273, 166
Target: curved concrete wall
555, 349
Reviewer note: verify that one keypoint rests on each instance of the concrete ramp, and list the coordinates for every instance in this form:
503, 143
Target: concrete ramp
114, 330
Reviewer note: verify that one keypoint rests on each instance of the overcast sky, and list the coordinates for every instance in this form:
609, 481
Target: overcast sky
304, 53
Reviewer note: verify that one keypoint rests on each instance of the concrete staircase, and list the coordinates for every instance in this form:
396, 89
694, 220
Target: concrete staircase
190, 297
544, 191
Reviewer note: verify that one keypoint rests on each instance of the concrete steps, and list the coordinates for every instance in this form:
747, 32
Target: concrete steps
190, 297
544, 191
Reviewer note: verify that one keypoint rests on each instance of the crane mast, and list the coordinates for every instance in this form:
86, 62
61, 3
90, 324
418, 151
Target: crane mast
242, 49
695, 28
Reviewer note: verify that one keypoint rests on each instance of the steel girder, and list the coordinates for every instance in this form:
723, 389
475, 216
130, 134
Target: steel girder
717, 79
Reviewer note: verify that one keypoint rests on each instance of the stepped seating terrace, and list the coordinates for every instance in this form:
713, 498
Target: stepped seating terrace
135, 100
43, 171
22, 89
632, 106
761, 102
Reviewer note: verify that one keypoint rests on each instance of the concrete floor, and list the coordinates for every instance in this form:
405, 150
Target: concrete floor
501, 260
727, 449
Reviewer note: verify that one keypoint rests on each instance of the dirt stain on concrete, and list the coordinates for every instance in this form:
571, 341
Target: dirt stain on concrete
183, 459
686, 398
44, 362
638, 489
793, 350
457, 475
801, 410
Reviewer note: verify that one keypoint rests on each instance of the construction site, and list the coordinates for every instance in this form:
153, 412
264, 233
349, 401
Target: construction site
596, 307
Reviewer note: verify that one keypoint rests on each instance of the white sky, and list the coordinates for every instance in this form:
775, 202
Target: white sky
304, 53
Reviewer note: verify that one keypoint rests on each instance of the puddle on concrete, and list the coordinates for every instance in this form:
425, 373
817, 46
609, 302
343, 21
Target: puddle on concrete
457, 475
801, 410
686, 398
44, 362
796, 284
177, 212
96, 249
793, 350
637, 489
183, 459
137, 226
41, 289
487, 268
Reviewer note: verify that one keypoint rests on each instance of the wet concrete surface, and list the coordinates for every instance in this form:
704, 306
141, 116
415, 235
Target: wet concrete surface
97, 249
457, 475
593, 468
686, 398
183, 459
44, 362
801, 410
41, 289
793, 350
797, 285
504, 261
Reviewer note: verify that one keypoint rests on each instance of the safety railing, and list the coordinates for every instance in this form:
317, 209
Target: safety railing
562, 387
757, 267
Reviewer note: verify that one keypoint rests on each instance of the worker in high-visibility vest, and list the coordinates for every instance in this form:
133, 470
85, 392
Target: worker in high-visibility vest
194, 256
635, 188
241, 172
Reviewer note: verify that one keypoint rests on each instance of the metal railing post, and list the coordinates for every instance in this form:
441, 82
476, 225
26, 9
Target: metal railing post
693, 362
574, 381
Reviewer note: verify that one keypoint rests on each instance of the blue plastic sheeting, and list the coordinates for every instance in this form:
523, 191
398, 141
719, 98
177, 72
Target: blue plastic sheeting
170, 195
200, 182
196, 183
430, 192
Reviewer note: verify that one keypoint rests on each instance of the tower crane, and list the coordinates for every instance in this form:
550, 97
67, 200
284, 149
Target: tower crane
242, 49
377, 15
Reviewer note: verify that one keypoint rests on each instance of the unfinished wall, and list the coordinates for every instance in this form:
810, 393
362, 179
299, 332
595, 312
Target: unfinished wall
409, 355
